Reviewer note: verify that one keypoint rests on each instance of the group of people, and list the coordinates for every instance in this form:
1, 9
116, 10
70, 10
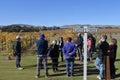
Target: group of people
68, 49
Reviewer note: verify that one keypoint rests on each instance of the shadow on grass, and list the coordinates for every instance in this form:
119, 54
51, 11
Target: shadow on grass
90, 71
29, 66
117, 60
62, 70
58, 74
117, 75
78, 69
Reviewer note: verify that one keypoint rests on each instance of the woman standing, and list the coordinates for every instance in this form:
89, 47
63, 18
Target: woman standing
69, 51
89, 48
112, 50
54, 54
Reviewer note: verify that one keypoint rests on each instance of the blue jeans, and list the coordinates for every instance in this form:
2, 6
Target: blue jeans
39, 63
100, 66
70, 66
18, 59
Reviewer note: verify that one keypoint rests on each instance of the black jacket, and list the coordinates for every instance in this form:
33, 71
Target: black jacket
54, 51
112, 51
79, 41
17, 47
103, 48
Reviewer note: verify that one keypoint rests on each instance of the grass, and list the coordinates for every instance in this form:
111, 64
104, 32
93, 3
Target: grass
9, 72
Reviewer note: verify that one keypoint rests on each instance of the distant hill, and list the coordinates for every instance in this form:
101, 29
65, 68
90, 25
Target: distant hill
25, 28
22, 25
65, 26
98, 26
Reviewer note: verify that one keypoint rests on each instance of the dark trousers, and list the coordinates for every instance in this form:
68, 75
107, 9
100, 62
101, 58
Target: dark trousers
55, 63
80, 53
61, 54
41, 59
18, 59
112, 67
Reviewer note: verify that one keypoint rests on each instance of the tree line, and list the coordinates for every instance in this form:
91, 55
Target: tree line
25, 28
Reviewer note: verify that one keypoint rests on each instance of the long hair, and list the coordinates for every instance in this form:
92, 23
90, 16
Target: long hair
114, 41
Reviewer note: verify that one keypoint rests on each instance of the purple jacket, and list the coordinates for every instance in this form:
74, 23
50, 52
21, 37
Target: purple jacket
69, 48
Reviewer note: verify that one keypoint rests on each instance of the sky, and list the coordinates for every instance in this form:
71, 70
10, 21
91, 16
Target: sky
60, 12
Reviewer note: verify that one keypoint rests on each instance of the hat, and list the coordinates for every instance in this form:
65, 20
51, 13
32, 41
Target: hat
18, 37
42, 36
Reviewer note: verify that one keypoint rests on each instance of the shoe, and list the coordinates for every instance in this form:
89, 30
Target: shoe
36, 76
113, 76
68, 75
81, 62
56, 69
62, 60
71, 75
46, 76
99, 77
20, 68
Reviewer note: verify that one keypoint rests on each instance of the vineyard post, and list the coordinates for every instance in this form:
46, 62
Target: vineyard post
107, 68
85, 30
85, 54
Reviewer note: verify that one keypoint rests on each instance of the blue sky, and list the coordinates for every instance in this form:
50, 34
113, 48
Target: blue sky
60, 12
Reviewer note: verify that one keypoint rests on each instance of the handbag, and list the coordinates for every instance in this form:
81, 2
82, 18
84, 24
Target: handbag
49, 53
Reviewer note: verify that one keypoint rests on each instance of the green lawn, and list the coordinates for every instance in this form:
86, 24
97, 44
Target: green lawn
9, 72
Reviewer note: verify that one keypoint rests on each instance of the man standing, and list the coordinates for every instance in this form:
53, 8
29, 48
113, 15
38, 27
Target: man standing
79, 45
99, 62
42, 46
17, 52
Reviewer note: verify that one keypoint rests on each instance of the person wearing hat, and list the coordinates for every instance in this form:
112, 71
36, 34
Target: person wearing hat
42, 46
17, 52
